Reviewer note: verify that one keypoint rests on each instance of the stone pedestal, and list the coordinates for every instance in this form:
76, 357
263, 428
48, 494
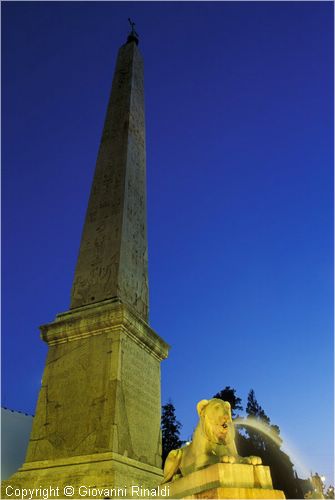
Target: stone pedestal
104, 475
97, 419
226, 481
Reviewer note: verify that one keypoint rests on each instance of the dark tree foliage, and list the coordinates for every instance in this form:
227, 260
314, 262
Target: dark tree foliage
254, 410
229, 394
170, 430
259, 444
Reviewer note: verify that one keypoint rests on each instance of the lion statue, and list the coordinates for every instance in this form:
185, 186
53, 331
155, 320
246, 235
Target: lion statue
213, 441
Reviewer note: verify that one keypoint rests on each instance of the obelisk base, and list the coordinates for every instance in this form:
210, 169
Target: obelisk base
226, 481
97, 421
104, 475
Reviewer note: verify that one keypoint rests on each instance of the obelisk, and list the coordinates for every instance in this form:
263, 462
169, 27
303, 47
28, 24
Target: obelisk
113, 257
97, 421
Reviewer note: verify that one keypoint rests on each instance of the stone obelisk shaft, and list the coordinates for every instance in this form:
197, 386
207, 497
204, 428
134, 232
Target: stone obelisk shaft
97, 419
113, 260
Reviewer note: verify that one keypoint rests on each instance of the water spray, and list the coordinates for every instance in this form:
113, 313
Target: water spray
274, 436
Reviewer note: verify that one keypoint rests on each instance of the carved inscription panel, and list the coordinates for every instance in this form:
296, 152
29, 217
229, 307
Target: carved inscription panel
71, 417
141, 388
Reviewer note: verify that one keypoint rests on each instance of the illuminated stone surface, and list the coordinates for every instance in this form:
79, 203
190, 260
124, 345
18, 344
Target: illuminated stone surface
113, 256
101, 386
213, 441
210, 466
226, 481
98, 414
97, 421
84, 473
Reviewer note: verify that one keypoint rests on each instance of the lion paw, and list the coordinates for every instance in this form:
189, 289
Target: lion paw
228, 459
254, 460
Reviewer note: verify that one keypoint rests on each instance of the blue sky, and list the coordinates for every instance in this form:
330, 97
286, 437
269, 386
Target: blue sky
239, 117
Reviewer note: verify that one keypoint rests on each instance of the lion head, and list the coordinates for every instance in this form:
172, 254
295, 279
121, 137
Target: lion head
216, 421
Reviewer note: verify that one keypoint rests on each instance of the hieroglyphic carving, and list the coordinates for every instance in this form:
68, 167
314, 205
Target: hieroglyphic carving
113, 252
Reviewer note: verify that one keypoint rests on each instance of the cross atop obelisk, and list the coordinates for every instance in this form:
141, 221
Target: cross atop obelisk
133, 36
113, 261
